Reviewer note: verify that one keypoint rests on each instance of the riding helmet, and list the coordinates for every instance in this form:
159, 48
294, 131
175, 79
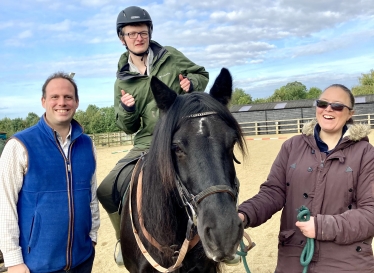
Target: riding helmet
132, 15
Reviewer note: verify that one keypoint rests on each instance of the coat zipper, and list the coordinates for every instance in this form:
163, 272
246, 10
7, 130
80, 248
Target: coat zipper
69, 251
70, 202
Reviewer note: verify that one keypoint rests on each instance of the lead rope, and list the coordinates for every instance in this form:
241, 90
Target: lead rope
308, 251
244, 250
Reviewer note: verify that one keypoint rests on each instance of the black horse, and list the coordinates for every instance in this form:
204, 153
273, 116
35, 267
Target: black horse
187, 180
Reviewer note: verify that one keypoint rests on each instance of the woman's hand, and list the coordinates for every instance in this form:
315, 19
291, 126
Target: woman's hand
307, 228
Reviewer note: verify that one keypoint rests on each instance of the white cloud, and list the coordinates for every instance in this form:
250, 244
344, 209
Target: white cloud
4, 25
65, 25
25, 34
265, 43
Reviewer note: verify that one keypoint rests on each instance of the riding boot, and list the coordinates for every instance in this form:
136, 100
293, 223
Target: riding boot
115, 219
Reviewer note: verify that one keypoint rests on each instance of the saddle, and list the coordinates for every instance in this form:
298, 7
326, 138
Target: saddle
122, 180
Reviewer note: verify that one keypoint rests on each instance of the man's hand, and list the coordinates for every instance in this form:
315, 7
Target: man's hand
185, 83
127, 99
307, 228
19, 268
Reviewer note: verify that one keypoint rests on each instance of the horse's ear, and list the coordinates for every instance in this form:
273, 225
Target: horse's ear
164, 96
222, 87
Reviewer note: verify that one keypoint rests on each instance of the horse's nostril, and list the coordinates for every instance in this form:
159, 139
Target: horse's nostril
208, 232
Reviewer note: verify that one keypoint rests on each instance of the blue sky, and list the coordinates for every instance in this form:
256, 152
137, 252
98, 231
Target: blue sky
265, 44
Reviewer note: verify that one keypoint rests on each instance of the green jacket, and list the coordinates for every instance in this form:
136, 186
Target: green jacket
167, 64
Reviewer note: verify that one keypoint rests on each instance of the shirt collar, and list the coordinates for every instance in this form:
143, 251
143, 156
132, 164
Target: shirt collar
68, 137
321, 144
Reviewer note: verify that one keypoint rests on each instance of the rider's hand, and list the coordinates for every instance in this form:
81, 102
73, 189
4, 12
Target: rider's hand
19, 268
185, 83
127, 99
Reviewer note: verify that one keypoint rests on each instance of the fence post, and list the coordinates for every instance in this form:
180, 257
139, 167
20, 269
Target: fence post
276, 128
369, 120
256, 129
298, 126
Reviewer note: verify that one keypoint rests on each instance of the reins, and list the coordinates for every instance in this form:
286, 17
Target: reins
188, 243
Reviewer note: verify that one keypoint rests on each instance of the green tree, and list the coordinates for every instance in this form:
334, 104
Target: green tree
260, 100
18, 124
31, 119
110, 119
81, 117
6, 126
366, 86
291, 91
240, 97
313, 93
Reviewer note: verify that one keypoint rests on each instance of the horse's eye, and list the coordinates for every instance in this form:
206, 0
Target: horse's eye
176, 149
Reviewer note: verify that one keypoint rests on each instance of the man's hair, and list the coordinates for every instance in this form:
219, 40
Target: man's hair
60, 75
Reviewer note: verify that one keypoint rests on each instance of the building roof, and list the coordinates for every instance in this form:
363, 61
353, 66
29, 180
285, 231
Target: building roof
289, 104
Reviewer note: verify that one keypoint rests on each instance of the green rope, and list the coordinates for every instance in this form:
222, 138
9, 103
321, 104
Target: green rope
243, 254
308, 251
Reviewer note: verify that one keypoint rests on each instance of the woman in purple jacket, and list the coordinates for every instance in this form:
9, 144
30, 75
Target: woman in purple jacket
329, 169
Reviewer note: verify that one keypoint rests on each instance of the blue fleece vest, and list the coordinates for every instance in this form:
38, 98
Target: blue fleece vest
54, 202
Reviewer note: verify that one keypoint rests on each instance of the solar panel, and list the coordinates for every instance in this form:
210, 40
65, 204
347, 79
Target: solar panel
280, 105
245, 108
360, 99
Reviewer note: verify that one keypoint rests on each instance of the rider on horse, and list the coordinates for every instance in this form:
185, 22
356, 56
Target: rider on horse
135, 108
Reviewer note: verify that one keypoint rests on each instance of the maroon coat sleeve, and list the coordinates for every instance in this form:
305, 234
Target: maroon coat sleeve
272, 195
356, 224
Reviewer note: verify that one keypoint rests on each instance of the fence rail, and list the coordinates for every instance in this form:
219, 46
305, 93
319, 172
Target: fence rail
111, 139
288, 126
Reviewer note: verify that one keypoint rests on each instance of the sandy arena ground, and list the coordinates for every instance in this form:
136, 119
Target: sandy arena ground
251, 173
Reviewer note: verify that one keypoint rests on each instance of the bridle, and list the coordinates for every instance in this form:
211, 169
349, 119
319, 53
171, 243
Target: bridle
190, 202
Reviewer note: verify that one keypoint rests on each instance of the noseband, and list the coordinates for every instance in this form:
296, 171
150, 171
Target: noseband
191, 201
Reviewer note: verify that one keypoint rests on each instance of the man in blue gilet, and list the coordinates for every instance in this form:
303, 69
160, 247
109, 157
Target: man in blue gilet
48, 204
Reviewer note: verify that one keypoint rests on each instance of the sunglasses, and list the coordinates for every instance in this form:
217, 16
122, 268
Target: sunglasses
334, 106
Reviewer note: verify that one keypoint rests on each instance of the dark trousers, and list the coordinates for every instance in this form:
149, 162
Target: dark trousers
104, 191
85, 267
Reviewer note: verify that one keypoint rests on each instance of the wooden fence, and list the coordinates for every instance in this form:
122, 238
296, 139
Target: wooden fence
112, 139
288, 126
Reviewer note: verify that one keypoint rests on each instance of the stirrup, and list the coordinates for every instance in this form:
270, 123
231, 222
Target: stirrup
118, 257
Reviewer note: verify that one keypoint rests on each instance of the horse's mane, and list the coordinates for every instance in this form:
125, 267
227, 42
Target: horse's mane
159, 208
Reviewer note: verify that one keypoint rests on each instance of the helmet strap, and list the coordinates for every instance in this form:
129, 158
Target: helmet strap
138, 54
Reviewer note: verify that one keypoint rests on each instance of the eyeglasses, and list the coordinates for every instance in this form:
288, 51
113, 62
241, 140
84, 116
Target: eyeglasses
334, 106
134, 35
